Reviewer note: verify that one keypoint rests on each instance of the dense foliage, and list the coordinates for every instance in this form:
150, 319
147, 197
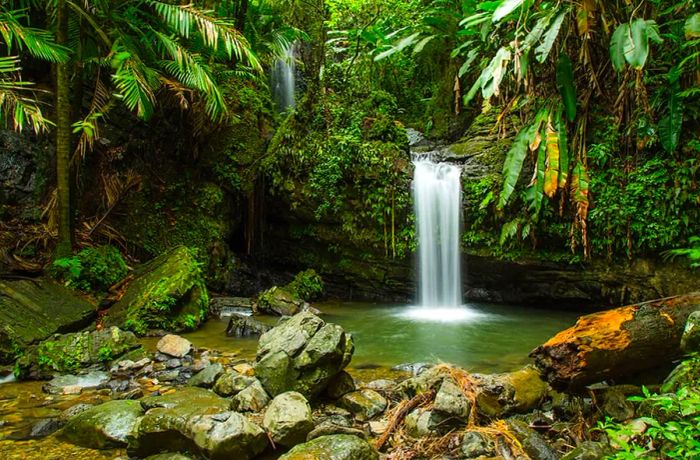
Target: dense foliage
92, 269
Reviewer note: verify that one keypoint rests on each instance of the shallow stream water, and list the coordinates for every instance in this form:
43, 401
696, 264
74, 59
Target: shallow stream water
480, 338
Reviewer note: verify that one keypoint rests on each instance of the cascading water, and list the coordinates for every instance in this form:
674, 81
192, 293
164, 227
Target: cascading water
437, 196
283, 79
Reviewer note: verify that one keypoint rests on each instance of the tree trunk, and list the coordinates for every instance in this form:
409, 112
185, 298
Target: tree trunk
63, 132
241, 12
616, 343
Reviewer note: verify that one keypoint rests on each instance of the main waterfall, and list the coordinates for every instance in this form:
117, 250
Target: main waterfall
284, 79
437, 196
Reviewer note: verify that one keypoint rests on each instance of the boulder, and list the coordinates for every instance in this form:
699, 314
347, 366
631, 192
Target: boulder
420, 423
333, 447
340, 385
253, 398
169, 456
364, 404
33, 310
245, 326
278, 301
195, 420
103, 426
302, 354
45, 427
451, 401
69, 384
476, 444
174, 345
71, 352
288, 419
168, 293
207, 376
513, 392
231, 383
532, 442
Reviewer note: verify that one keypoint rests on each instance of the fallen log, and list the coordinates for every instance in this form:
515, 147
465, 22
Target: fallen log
615, 343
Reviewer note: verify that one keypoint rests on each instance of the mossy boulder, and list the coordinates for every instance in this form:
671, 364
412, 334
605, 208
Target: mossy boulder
333, 447
69, 353
290, 299
168, 293
288, 419
195, 420
303, 353
103, 426
33, 310
513, 392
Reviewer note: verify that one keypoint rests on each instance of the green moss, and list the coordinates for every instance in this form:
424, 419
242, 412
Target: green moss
306, 285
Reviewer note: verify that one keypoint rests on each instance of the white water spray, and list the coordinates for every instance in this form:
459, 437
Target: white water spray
283, 79
437, 197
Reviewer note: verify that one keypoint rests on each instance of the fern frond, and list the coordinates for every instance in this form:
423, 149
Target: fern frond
39, 43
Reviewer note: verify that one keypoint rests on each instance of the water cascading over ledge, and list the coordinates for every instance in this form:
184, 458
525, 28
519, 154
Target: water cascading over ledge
284, 79
437, 198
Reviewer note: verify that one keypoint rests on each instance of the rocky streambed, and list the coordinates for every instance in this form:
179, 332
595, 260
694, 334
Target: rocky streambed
294, 400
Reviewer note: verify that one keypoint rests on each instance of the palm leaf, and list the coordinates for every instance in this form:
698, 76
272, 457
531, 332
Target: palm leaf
542, 51
39, 43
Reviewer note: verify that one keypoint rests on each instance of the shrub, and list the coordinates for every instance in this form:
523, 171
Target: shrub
306, 285
92, 269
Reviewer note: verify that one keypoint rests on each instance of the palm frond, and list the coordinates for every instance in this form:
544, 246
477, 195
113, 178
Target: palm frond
15, 108
39, 43
136, 82
216, 32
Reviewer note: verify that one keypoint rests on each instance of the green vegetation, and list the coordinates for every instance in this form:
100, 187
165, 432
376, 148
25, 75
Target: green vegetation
92, 269
306, 285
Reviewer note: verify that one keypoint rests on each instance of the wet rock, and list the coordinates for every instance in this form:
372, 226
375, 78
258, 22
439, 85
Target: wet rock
217, 436
334, 447
690, 341
431, 379
340, 385
44, 307
73, 411
615, 404
103, 426
588, 450
381, 385
168, 293
222, 307
288, 419
533, 444
69, 353
302, 354
419, 423
513, 392
174, 345
278, 301
328, 428
191, 397
415, 369
75, 384
364, 404
253, 398
245, 326
45, 427
231, 383
476, 444
207, 376
451, 401
169, 456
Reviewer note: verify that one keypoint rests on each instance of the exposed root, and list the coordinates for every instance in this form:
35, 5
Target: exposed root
400, 412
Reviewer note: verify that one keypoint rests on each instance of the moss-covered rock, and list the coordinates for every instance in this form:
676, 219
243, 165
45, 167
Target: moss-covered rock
31, 311
103, 426
333, 447
70, 352
290, 299
168, 293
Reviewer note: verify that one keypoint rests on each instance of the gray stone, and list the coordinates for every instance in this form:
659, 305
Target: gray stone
588, 450
533, 444
615, 404
245, 326
207, 376
451, 401
253, 398
174, 345
302, 354
476, 444
381, 385
690, 341
45, 427
513, 392
419, 423
340, 385
103, 426
74, 384
288, 419
327, 428
73, 411
333, 447
364, 404
168, 456
231, 383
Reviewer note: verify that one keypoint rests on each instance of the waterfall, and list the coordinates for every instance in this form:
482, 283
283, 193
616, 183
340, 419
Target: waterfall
283, 79
437, 196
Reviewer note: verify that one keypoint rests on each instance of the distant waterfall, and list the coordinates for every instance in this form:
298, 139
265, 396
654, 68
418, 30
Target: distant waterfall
437, 197
283, 79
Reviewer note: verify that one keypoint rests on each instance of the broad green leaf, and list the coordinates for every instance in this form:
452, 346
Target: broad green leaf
421, 44
535, 191
509, 230
472, 91
471, 56
637, 45
653, 32
565, 84
474, 20
560, 126
692, 26
670, 125
514, 164
542, 51
536, 32
617, 46
505, 8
